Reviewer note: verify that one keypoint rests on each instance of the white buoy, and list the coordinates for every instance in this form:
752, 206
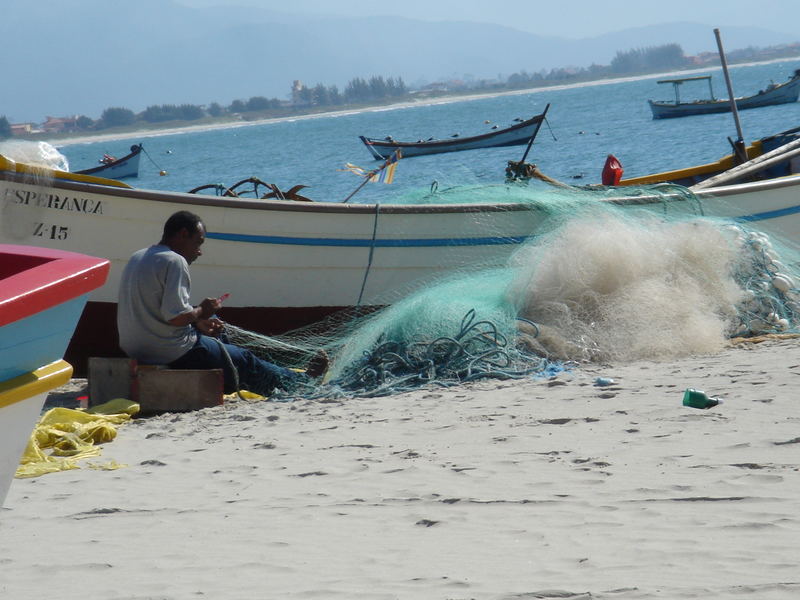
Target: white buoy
782, 324
783, 283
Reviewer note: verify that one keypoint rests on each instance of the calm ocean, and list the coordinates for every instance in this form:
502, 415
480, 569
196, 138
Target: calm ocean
587, 122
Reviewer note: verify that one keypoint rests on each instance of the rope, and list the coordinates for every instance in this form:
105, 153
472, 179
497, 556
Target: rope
555, 139
371, 253
147, 154
229, 363
479, 350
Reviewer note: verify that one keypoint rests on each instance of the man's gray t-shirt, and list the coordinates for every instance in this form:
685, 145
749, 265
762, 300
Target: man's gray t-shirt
154, 289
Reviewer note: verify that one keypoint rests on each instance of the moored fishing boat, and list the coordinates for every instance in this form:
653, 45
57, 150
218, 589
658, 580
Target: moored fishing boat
287, 264
42, 297
117, 168
520, 133
690, 176
773, 94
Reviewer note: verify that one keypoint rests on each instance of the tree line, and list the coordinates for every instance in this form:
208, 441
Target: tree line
358, 91
629, 62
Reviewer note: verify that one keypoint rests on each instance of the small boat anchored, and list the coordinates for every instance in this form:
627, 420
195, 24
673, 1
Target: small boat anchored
520, 133
773, 94
112, 167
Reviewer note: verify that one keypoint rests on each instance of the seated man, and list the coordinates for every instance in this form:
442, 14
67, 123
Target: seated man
157, 325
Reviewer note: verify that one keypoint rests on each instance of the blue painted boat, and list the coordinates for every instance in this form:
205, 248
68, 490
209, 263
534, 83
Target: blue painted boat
42, 296
783, 93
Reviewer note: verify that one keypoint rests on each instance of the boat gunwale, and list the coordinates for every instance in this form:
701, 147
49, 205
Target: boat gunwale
370, 209
42, 380
267, 204
62, 276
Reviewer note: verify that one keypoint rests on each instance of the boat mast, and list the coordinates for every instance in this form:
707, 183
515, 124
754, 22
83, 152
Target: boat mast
535, 131
738, 146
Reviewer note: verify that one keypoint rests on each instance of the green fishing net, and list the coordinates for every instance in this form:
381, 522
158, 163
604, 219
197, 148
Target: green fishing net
596, 282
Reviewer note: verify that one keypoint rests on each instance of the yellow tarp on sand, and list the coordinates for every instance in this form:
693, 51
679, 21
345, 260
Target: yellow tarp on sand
72, 435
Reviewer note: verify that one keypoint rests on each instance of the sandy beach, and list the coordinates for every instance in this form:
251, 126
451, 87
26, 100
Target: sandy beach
554, 488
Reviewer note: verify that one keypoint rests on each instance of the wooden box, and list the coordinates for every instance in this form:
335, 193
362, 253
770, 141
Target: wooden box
157, 389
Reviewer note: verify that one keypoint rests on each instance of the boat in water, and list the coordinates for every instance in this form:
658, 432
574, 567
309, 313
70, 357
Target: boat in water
117, 168
789, 164
42, 297
286, 264
782, 93
520, 133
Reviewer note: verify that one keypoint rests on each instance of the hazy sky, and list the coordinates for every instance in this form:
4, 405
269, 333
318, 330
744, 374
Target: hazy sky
564, 18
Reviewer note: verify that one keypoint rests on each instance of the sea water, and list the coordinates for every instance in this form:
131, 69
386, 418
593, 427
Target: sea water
585, 123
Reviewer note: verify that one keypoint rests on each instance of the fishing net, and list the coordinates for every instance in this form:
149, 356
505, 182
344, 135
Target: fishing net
38, 154
599, 282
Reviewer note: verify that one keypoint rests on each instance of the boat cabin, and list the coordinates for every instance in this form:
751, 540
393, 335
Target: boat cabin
678, 82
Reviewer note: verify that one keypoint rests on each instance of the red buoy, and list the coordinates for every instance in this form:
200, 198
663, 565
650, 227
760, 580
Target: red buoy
612, 171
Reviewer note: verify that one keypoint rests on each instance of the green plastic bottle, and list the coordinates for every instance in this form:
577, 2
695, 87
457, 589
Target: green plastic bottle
699, 399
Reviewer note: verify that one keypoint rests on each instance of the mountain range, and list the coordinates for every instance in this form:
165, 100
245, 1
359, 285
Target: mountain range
83, 56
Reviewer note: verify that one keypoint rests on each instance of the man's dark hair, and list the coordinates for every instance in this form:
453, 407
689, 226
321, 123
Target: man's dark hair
182, 219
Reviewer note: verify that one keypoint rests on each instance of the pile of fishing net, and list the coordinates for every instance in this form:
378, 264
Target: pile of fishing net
599, 283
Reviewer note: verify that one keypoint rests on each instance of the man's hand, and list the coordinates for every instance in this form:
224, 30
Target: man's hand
211, 327
204, 311
209, 307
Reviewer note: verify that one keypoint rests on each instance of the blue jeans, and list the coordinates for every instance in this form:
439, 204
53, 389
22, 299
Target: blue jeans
255, 375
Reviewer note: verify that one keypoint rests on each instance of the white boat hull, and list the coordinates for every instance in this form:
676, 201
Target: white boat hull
21, 401
127, 166
16, 424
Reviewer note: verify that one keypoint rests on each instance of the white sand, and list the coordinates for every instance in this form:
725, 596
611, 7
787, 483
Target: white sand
531, 489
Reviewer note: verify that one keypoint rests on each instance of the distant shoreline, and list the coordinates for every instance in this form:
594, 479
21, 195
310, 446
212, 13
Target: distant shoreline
151, 133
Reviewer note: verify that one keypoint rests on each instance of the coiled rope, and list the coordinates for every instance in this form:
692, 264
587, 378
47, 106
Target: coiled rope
479, 350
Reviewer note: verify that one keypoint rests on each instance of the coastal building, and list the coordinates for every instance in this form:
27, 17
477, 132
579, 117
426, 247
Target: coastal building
60, 124
23, 129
